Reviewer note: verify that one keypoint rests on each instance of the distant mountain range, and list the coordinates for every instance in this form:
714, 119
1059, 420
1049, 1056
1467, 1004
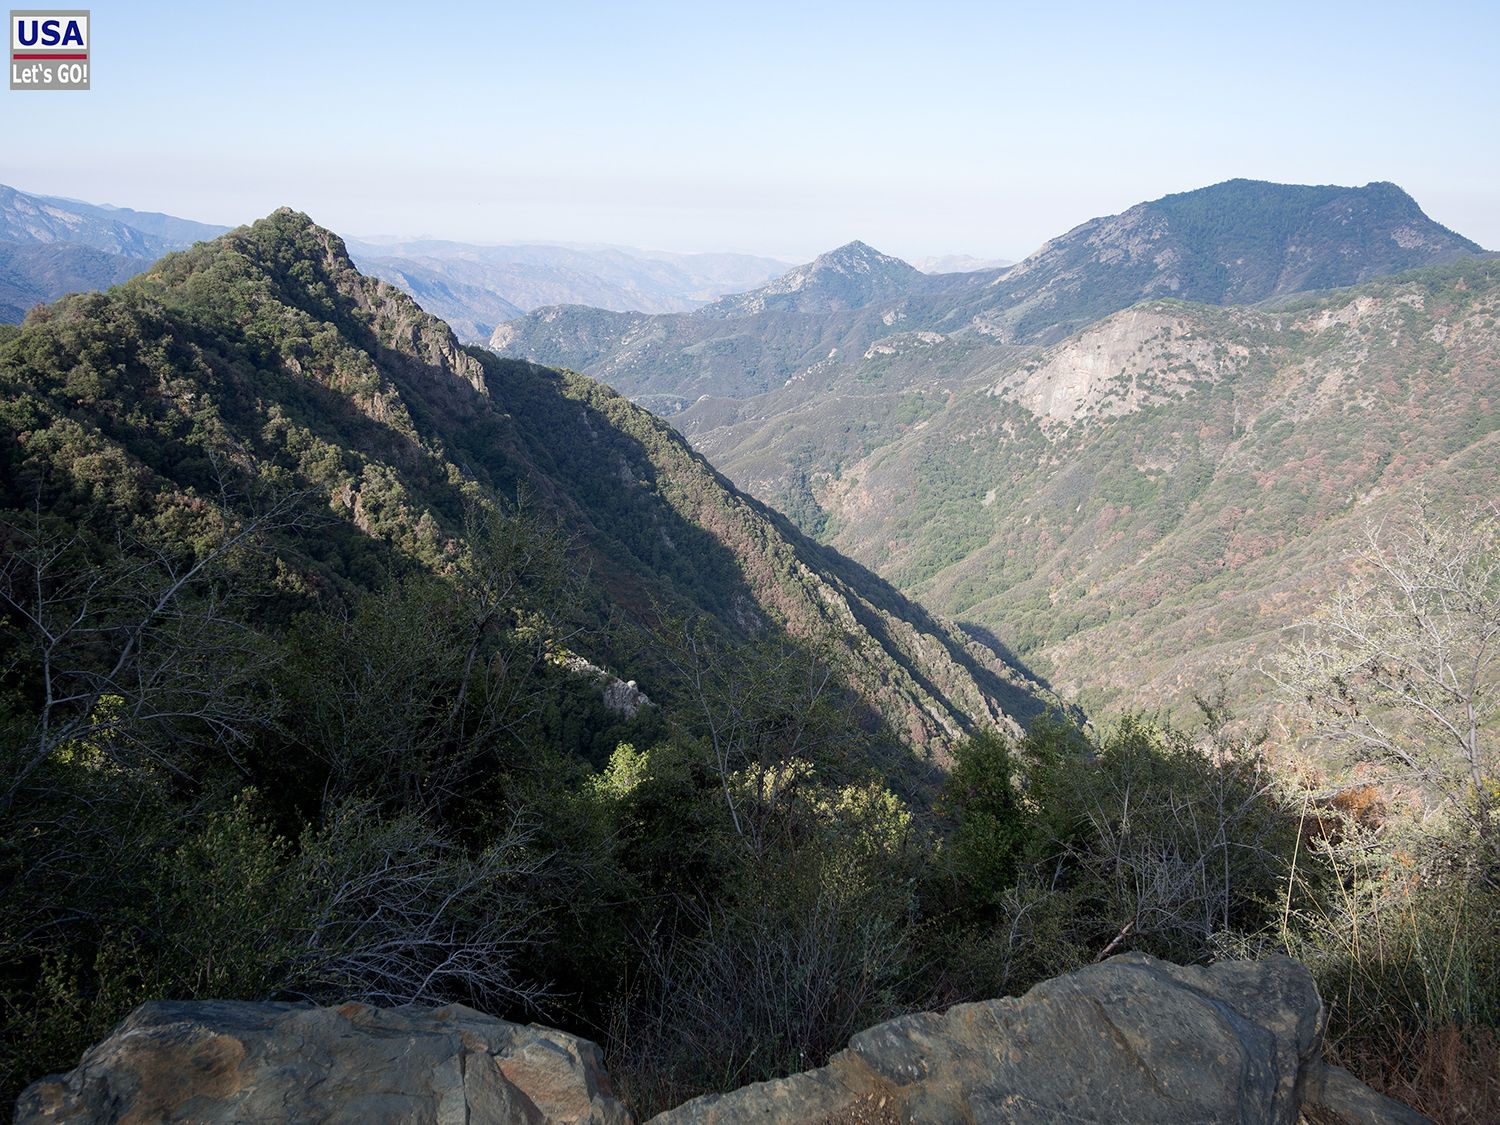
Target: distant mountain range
959, 263
1233, 243
739, 345
1146, 438
41, 219
51, 246
473, 287
1038, 453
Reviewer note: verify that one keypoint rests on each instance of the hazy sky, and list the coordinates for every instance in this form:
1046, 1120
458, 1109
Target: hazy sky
922, 127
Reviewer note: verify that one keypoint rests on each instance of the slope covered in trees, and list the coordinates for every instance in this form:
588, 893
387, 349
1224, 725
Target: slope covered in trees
267, 358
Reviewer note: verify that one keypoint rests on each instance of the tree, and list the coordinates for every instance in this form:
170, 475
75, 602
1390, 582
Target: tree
128, 650
412, 696
1401, 666
767, 710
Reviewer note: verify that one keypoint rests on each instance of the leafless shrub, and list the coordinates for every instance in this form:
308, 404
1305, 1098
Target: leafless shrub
740, 999
1403, 666
398, 913
134, 655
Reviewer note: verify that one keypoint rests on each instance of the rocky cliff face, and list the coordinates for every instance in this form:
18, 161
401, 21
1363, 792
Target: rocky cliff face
1130, 1040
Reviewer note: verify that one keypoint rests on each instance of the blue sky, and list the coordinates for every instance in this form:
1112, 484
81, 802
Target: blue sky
785, 129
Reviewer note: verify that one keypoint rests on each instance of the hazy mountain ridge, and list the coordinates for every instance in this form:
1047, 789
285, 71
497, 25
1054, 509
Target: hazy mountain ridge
174, 232
51, 246
465, 299
28, 218
478, 287
850, 277
960, 263
1238, 242
474, 287
827, 310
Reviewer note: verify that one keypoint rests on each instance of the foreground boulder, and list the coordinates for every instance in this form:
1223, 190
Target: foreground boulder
1131, 1040
227, 1061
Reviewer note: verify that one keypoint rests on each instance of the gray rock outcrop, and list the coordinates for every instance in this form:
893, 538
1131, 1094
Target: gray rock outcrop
214, 1062
1130, 1040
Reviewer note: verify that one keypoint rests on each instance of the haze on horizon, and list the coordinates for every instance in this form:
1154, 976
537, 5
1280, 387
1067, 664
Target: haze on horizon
775, 129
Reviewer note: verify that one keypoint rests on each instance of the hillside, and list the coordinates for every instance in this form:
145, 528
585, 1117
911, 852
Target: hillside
1173, 482
339, 661
317, 626
934, 437
32, 274
268, 351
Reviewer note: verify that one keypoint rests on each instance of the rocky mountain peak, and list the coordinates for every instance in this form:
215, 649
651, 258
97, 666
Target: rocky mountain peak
1232, 243
850, 277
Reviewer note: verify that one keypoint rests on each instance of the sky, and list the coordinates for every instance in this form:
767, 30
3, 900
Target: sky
774, 128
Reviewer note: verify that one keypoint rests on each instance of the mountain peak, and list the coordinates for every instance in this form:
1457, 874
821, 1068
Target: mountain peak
1240, 193
856, 255
286, 260
850, 276
1235, 242
854, 249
